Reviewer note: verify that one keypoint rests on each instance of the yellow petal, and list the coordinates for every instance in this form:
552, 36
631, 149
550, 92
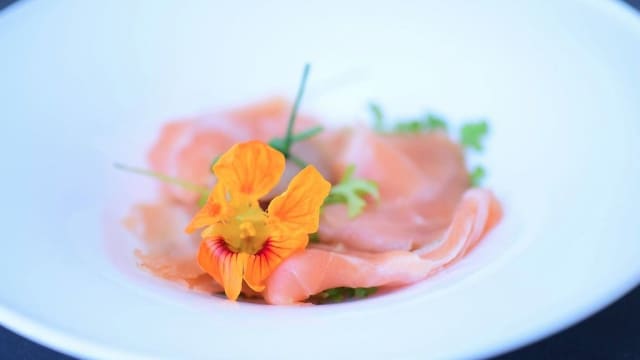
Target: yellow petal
250, 169
274, 251
232, 272
212, 212
298, 208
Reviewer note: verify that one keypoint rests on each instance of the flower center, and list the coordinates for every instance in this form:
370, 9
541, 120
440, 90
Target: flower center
247, 230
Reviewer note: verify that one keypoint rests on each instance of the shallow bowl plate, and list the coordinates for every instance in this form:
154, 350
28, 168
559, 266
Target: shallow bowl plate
85, 84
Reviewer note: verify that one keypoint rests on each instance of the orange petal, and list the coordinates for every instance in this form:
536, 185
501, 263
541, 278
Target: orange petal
212, 212
274, 251
298, 208
251, 169
225, 266
232, 271
210, 252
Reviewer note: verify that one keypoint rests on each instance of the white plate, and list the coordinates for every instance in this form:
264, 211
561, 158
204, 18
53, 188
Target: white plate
85, 83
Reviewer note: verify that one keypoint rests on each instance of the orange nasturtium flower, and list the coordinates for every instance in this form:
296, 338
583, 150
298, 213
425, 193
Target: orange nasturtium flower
243, 242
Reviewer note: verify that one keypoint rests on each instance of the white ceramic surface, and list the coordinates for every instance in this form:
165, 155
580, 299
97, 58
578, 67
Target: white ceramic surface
83, 84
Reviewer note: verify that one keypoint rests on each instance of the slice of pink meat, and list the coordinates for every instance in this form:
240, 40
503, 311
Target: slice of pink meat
421, 178
186, 148
314, 270
168, 252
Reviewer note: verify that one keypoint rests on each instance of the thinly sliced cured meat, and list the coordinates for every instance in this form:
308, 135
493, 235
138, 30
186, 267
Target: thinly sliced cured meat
421, 179
315, 270
168, 253
186, 148
426, 219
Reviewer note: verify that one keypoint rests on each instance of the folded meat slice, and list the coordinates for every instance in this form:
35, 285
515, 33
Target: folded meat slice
169, 253
187, 147
421, 178
314, 270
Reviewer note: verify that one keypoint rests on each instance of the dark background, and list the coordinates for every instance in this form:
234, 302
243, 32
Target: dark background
613, 333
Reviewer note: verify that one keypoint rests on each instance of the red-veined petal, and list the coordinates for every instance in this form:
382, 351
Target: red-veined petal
274, 251
225, 266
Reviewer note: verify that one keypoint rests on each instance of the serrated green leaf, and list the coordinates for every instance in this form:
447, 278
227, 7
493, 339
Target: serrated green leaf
351, 191
435, 122
477, 175
412, 126
339, 294
472, 135
428, 123
364, 292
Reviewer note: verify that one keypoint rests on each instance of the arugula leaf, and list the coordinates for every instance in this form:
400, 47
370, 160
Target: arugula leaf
351, 191
434, 122
472, 135
412, 126
477, 175
378, 116
428, 123
339, 294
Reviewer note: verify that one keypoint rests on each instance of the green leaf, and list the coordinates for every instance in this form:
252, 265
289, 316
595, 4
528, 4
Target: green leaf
378, 116
339, 294
472, 135
477, 175
412, 126
428, 123
434, 123
314, 238
351, 191
364, 292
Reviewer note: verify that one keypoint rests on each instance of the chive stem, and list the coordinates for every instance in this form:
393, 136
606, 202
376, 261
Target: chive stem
187, 185
294, 111
301, 163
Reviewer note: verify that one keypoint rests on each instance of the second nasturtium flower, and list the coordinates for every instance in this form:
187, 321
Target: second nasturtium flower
243, 242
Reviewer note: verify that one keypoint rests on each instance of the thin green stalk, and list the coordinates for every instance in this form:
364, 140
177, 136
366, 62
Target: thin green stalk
294, 111
164, 178
301, 163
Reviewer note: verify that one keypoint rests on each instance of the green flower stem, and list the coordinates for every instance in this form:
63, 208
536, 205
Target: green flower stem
294, 112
